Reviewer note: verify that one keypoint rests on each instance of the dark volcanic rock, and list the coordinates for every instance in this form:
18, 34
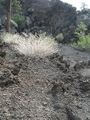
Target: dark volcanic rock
78, 111
1, 60
52, 17
2, 53
6, 78
85, 86
15, 70
79, 65
40, 89
84, 16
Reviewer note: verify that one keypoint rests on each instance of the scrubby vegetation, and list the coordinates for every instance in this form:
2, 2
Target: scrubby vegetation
16, 7
32, 45
83, 38
17, 18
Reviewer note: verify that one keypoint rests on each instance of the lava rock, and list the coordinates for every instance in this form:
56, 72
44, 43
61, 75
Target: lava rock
85, 86
1, 60
2, 53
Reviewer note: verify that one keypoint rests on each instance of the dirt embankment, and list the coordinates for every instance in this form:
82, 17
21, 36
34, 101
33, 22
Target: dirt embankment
56, 87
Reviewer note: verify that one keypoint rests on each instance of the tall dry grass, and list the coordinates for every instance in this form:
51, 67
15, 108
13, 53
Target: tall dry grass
32, 45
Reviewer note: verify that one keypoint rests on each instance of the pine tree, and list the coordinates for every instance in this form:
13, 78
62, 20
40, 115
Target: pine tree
8, 8
11, 5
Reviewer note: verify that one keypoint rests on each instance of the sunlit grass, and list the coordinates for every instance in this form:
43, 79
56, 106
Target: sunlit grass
32, 45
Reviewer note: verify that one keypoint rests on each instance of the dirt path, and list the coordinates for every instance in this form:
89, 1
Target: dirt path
50, 88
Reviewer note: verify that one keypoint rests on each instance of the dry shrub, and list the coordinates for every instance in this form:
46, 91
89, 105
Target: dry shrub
32, 45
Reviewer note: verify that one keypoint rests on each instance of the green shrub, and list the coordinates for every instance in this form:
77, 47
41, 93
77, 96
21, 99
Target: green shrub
17, 18
84, 40
2, 1
15, 6
60, 37
71, 44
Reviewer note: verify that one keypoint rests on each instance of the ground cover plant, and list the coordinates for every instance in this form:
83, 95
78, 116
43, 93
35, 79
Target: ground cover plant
33, 45
83, 38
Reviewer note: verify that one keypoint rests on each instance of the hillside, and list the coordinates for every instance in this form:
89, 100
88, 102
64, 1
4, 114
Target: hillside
41, 76
53, 87
52, 17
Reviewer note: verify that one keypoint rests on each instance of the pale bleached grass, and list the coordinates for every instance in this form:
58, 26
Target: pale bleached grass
32, 45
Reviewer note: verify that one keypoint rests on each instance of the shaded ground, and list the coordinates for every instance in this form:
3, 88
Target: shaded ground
56, 87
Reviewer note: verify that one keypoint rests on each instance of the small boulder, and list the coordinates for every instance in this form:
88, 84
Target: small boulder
85, 86
1, 61
2, 53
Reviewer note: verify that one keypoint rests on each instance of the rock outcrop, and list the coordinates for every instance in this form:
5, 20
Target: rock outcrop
53, 17
3, 25
55, 87
8, 73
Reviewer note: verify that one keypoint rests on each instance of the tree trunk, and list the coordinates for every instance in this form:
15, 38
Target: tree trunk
8, 15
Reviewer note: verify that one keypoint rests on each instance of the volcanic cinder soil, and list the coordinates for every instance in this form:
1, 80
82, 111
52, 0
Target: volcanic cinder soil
55, 87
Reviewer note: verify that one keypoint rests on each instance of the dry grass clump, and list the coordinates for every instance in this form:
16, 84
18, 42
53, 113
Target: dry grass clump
32, 45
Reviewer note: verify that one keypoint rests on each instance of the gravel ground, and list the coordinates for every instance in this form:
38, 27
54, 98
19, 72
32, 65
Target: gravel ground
50, 88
